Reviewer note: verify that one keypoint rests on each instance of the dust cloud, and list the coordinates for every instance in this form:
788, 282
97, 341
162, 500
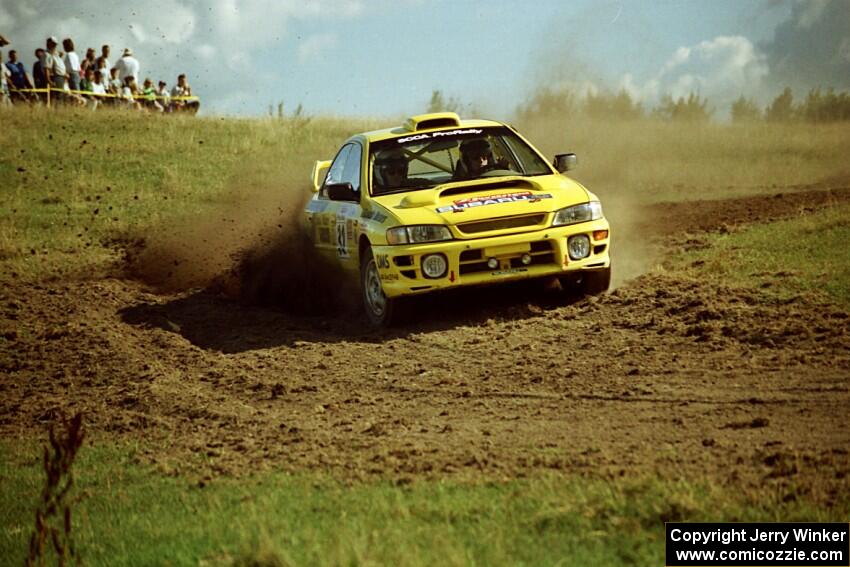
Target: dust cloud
249, 246
606, 168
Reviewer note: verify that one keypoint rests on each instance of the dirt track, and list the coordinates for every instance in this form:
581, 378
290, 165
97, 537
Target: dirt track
663, 376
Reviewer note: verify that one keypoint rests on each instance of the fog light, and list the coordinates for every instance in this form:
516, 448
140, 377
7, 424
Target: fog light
525, 259
578, 246
434, 265
492, 263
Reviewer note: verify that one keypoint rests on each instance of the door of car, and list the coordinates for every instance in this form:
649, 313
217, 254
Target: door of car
336, 225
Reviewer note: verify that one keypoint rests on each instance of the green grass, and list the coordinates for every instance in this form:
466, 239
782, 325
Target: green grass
808, 254
129, 514
76, 182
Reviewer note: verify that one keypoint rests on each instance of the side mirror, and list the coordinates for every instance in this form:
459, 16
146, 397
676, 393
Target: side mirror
565, 162
342, 192
320, 171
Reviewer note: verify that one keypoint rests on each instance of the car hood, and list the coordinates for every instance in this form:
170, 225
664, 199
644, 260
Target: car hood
481, 199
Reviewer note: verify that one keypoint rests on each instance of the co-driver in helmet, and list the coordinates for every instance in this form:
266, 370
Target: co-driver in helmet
390, 171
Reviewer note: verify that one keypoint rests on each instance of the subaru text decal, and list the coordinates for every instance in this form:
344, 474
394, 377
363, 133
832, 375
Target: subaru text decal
462, 204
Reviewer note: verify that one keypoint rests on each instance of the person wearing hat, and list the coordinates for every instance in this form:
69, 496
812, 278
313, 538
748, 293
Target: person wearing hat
128, 66
54, 67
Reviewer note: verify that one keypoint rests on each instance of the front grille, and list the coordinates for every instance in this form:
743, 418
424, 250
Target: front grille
473, 261
502, 223
470, 255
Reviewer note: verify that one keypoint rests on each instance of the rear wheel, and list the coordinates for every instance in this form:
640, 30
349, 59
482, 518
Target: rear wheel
380, 309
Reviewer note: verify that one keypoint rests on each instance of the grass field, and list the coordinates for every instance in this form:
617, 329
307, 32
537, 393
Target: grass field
78, 187
807, 254
276, 519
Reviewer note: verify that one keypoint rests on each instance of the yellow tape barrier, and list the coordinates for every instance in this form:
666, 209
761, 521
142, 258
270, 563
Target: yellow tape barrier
138, 97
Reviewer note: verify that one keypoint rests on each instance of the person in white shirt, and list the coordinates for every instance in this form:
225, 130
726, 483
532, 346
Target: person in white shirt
182, 89
72, 64
54, 67
162, 91
128, 66
5, 80
97, 86
130, 92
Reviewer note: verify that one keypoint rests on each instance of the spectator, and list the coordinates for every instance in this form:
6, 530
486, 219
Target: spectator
116, 86
149, 92
72, 64
72, 97
54, 67
130, 92
87, 81
98, 87
39, 77
88, 63
3, 40
19, 79
5, 79
102, 62
128, 66
102, 69
165, 98
88, 85
181, 90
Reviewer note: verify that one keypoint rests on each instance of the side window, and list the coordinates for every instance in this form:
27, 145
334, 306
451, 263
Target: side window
337, 169
351, 173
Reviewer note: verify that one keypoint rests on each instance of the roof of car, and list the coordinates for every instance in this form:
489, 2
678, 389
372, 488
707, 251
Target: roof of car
420, 123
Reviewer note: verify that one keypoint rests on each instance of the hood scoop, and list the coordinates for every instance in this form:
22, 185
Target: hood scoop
489, 186
418, 199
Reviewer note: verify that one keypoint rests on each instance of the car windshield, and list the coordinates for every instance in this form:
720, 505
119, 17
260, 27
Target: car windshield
424, 160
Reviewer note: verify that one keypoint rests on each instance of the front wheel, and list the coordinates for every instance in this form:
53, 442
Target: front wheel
596, 281
590, 282
380, 309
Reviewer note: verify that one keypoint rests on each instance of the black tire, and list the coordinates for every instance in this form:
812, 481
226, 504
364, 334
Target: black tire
596, 281
381, 311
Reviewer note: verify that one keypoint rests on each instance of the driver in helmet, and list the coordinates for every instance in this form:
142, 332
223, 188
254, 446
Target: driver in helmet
390, 171
476, 157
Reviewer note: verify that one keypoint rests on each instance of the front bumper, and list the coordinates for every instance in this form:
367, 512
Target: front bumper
400, 267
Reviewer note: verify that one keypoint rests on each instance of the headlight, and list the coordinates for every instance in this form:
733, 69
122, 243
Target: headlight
434, 265
578, 213
579, 246
418, 233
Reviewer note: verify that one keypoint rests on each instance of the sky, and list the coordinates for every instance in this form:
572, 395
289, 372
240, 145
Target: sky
384, 57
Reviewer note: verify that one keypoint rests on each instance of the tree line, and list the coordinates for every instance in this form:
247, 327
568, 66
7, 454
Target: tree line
819, 106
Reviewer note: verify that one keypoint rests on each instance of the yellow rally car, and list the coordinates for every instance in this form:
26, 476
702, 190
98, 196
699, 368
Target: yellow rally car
440, 203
